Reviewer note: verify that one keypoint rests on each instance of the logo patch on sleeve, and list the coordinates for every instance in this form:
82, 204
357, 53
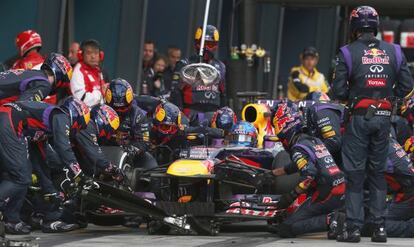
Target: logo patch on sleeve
328, 134
301, 163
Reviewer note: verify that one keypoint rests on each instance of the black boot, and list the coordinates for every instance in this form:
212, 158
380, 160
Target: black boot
351, 235
19, 228
379, 235
58, 226
336, 225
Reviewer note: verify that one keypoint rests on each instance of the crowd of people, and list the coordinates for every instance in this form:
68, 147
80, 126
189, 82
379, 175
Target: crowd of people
57, 112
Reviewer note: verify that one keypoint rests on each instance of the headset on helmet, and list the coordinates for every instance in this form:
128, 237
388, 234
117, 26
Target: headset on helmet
27, 40
79, 113
167, 118
243, 134
91, 42
286, 120
224, 118
59, 66
106, 120
119, 94
364, 18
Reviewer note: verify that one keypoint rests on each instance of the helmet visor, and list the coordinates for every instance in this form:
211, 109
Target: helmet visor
239, 138
167, 129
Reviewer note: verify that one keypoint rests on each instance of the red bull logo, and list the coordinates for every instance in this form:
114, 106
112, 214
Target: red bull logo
354, 13
112, 117
374, 52
375, 56
281, 118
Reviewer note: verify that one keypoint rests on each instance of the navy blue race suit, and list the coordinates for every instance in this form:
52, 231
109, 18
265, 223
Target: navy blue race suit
368, 73
134, 128
399, 218
323, 120
24, 85
400, 180
322, 180
199, 98
23, 121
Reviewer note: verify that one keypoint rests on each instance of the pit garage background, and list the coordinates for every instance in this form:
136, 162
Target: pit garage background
281, 27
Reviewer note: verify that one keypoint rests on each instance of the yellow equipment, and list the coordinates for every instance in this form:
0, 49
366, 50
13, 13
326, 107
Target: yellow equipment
259, 116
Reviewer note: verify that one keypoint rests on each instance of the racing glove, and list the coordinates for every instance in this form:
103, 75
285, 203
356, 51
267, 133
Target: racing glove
76, 172
57, 197
287, 199
263, 179
74, 177
114, 172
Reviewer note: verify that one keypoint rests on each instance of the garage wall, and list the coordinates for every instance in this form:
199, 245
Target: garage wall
14, 19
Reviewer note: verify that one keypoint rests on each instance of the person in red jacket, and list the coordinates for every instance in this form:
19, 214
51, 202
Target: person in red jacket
87, 83
28, 44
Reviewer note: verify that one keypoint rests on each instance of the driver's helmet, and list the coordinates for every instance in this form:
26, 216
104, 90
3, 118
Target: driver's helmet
243, 134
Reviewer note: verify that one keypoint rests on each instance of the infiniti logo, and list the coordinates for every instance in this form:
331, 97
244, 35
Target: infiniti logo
376, 68
210, 95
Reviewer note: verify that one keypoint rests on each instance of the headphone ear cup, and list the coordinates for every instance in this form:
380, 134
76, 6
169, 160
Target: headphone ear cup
80, 55
101, 56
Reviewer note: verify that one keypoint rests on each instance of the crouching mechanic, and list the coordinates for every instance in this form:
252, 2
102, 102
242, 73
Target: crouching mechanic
134, 125
104, 122
33, 120
35, 85
168, 130
93, 162
320, 177
399, 217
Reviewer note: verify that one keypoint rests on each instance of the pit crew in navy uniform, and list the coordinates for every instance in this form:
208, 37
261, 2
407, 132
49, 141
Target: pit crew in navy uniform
134, 128
399, 218
200, 99
33, 120
369, 73
323, 119
35, 85
320, 177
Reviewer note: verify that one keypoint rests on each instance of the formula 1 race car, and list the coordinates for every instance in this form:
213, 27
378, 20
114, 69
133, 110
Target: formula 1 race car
206, 188
221, 185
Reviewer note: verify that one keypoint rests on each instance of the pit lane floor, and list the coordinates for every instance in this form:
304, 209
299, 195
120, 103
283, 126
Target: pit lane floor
236, 235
